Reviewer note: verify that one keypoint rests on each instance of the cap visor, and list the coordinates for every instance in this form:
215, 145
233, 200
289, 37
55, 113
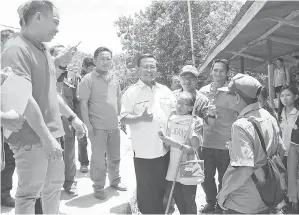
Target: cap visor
223, 89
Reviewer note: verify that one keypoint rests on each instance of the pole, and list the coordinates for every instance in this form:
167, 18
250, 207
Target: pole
242, 68
270, 72
191, 32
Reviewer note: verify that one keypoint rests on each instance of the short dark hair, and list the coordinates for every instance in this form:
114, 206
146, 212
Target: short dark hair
6, 34
296, 57
88, 61
263, 92
35, 6
279, 59
52, 49
101, 49
223, 61
145, 56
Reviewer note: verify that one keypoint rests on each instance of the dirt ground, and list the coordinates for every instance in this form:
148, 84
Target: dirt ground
117, 202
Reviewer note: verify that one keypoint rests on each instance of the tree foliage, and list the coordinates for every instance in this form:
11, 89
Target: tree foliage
163, 29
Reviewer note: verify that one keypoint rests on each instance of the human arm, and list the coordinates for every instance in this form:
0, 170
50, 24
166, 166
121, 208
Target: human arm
237, 178
188, 148
242, 162
288, 76
127, 115
11, 120
36, 121
118, 100
84, 93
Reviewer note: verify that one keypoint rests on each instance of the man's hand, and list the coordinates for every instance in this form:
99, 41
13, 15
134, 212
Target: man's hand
12, 121
53, 148
79, 126
146, 117
212, 110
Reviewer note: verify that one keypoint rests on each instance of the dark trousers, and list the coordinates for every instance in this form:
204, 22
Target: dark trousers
184, 196
7, 172
151, 183
82, 151
214, 159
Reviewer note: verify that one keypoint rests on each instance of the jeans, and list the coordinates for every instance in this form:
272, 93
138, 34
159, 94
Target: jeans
82, 151
38, 175
184, 196
7, 172
214, 159
105, 142
68, 145
151, 183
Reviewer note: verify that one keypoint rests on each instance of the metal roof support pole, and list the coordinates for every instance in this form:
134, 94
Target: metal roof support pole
242, 67
270, 72
191, 32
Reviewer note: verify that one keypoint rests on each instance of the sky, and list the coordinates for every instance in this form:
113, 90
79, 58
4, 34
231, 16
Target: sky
89, 21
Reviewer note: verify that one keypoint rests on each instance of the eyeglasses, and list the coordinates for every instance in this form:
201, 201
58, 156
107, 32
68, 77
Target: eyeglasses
188, 78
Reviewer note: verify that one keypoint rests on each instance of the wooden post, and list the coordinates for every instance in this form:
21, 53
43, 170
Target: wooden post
270, 72
242, 68
191, 32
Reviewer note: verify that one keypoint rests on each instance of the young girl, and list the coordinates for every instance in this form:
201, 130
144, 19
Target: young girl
177, 132
287, 115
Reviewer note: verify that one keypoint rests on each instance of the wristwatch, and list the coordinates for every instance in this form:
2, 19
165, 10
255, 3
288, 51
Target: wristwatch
71, 118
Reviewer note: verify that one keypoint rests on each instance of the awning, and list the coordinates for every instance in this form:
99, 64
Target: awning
246, 37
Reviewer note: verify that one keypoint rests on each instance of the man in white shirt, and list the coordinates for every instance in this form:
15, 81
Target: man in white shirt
146, 107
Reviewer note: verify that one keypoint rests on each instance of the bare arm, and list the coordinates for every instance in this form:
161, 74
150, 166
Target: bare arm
130, 119
288, 76
84, 112
65, 110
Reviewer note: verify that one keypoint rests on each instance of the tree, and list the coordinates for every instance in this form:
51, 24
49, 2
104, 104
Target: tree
163, 29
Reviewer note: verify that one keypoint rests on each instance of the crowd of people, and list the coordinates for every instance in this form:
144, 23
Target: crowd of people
165, 124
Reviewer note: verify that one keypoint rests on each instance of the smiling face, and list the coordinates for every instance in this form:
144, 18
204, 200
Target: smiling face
103, 61
219, 72
148, 69
188, 81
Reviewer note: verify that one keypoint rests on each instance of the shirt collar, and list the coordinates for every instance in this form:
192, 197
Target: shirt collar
141, 84
211, 86
249, 108
40, 46
294, 111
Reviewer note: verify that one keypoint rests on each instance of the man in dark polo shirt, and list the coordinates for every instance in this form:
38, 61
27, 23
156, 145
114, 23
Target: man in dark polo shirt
99, 95
216, 133
36, 146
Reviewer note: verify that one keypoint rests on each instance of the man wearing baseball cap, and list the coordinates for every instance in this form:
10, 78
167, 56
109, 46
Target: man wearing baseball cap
239, 193
188, 79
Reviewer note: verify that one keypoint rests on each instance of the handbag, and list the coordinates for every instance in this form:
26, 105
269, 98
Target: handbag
192, 170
